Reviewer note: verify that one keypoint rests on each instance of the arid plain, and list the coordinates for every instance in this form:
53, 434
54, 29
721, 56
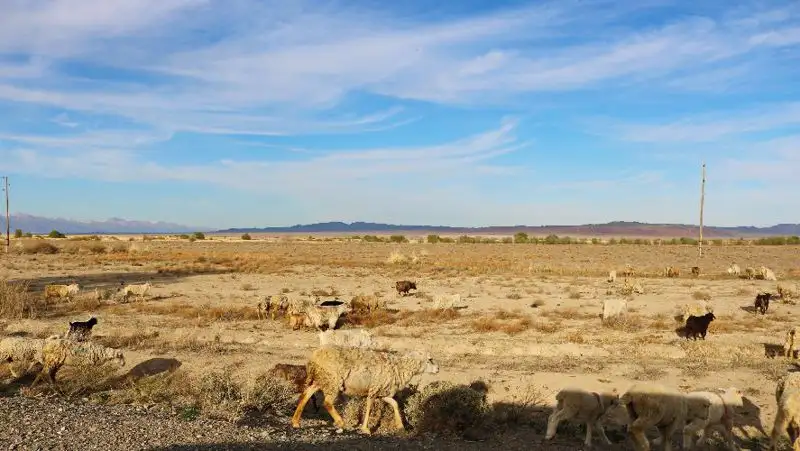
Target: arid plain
529, 324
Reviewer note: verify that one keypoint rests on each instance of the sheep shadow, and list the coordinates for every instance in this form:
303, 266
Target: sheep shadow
749, 419
147, 368
749, 309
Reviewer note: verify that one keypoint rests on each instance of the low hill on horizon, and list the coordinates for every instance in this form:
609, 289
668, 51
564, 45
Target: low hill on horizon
616, 228
43, 225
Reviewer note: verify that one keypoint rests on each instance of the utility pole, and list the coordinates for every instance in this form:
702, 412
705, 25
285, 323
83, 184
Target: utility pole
8, 222
702, 204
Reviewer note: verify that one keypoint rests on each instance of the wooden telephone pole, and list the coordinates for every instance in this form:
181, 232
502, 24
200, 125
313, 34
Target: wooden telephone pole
8, 222
702, 204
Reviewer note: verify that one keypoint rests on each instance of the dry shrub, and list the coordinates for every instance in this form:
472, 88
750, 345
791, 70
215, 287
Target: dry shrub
269, 394
84, 379
202, 312
17, 302
701, 295
446, 408
523, 408
383, 317
511, 323
627, 323
38, 247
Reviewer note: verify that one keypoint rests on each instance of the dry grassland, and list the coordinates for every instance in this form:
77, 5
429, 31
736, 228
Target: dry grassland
530, 327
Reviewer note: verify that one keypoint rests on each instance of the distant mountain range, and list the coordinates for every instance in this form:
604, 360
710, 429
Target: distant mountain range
42, 225
616, 228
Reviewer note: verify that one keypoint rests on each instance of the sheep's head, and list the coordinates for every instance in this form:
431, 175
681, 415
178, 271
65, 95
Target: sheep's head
428, 365
732, 395
615, 412
73, 287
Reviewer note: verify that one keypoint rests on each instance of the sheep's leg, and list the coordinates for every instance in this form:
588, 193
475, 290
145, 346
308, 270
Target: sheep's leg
727, 431
365, 421
588, 440
328, 404
690, 430
778, 429
602, 431
639, 439
298, 412
398, 420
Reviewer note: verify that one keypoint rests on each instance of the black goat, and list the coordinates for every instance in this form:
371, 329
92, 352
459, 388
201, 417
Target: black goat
762, 302
81, 330
698, 325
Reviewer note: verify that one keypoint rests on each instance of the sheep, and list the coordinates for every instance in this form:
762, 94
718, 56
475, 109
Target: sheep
762, 302
275, 304
324, 317
697, 308
787, 418
298, 320
404, 286
614, 308
698, 325
446, 301
670, 271
765, 273
789, 345
61, 291
361, 372
295, 375
750, 273
584, 406
20, 350
650, 404
81, 330
629, 271
706, 410
734, 270
138, 290
696, 271
57, 351
612, 276
363, 303
351, 338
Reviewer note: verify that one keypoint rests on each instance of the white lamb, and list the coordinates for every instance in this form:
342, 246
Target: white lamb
787, 419
653, 405
138, 290
348, 338
581, 405
707, 410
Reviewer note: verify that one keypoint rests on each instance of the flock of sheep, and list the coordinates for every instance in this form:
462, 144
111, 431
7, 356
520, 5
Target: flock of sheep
347, 362
123, 292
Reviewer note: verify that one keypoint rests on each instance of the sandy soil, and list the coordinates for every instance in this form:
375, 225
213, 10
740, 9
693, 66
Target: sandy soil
531, 320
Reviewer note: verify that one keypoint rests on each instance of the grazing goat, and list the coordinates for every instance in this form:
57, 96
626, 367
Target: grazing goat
698, 325
295, 375
762, 302
787, 419
695, 271
61, 291
361, 372
404, 286
81, 330
583, 406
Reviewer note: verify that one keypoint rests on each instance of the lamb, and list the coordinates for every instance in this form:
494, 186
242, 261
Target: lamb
295, 375
363, 303
361, 372
696, 271
351, 338
57, 351
612, 276
61, 291
698, 325
706, 410
789, 345
81, 330
672, 271
650, 404
404, 286
138, 290
584, 406
762, 302
734, 270
787, 418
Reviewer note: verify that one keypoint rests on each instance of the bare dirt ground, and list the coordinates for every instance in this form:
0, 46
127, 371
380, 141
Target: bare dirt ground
531, 327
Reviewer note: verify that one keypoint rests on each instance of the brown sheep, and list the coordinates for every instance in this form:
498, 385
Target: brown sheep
404, 286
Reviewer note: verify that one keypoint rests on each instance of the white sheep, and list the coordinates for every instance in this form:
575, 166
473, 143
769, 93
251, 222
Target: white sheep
277, 303
734, 270
653, 405
614, 308
766, 274
361, 372
348, 338
61, 291
20, 350
707, 410
584, 406
612, 276
138, 290
447, 301
787, 418
695, 308
320, 317
58, 351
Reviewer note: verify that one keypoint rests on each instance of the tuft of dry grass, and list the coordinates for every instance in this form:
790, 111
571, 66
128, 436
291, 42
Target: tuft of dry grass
38, 247
701, 295
16, 302
511, 323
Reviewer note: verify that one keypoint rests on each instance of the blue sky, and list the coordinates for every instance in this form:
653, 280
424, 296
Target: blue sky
263, 113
